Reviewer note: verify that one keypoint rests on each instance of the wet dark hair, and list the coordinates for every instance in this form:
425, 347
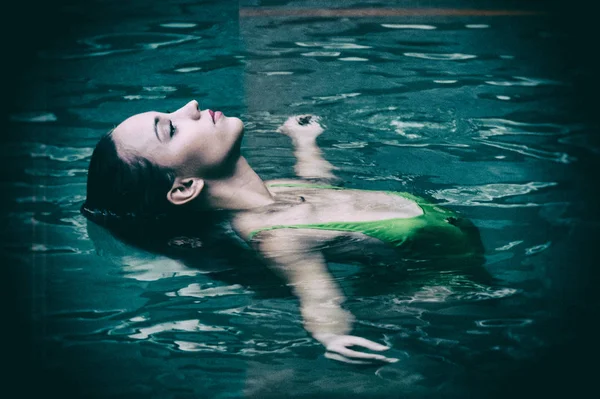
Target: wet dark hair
125, 190
129, 198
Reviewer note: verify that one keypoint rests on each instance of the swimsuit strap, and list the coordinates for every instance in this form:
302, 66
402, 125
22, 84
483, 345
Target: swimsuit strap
420, 201
438, 230
394, 231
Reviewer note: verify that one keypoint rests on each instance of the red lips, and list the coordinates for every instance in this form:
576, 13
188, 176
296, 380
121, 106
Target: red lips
212, 114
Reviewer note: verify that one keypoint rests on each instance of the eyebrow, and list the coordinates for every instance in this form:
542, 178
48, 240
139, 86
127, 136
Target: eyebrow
156, 119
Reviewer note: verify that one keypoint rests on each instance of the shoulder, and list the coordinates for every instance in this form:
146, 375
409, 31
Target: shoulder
285, 181
285, 185
250, 222
297, 182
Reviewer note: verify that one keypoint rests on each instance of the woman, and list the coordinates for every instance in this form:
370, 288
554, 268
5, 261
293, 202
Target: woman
173, 166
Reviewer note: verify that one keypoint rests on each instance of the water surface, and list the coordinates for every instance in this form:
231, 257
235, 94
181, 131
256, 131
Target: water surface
474, 111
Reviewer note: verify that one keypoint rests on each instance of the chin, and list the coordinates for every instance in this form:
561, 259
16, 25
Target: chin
236, 123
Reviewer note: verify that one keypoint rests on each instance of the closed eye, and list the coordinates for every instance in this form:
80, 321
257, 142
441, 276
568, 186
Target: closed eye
172, 129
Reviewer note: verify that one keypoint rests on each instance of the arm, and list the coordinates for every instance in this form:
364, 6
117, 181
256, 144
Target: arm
310, 164
305, 270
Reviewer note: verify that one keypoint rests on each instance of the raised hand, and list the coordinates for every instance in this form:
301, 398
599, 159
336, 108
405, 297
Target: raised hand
303, 130
338, 348
302, 127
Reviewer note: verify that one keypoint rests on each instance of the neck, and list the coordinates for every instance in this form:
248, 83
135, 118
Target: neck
242, 189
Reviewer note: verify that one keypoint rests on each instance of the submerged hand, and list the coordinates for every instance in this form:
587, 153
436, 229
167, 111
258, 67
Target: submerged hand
338, 348
302, 127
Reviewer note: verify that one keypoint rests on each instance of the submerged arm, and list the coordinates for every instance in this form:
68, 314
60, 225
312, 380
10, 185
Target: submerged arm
310, 164
305, 270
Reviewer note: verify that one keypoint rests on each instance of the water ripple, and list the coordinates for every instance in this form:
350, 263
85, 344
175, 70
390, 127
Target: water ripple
62, 154
326, 99
357, 59
495, 323
443, 294
188, 69
54, 200
401, 128
321, 54
178, 25
256, 347
554, 156
55, 173
92, 314
274, 73
479, 195
117, 43
47, 249
256, 312
196, 291
397, 143
156, 269
182, 325
187, 346
537, 248
509, 245
488, 127
383, 326
34, 117
351, 145
161, 89
409, 26
441, 57
333, 45
144, 97
523, 81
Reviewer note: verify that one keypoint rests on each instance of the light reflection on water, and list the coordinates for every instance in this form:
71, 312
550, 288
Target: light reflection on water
418, 113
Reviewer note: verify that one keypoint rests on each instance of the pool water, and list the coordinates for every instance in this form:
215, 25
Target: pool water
475, 110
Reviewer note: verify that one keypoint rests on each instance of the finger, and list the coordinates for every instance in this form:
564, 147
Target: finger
357, 355
304, 120
367, 344
340, 358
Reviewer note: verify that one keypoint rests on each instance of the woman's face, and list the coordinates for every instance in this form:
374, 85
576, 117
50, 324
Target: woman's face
193, 142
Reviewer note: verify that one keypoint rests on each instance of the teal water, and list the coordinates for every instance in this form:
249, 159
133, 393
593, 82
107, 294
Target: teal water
480, 113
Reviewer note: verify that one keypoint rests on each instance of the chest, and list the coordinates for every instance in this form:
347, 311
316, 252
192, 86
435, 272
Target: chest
306, 207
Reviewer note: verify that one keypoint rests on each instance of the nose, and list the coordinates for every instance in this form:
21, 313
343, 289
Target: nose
190, 110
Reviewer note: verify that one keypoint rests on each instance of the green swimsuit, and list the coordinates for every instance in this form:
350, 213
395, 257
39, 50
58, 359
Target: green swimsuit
437, 231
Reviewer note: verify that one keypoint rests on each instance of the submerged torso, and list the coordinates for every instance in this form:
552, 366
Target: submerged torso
365, 220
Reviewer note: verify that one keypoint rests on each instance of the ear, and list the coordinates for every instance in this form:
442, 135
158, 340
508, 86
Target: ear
185, 190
